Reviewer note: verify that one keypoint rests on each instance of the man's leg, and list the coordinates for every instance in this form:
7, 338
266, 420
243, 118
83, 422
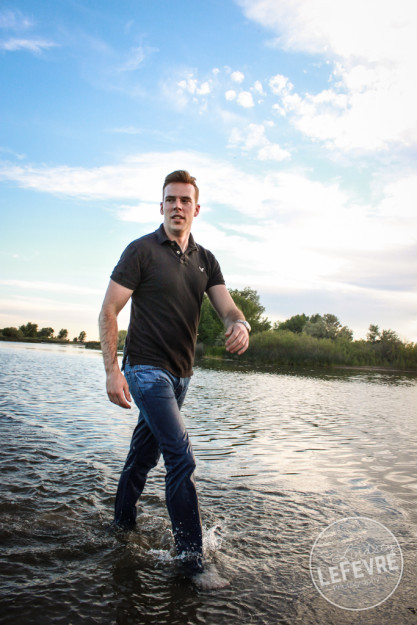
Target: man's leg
159, 396
143, 455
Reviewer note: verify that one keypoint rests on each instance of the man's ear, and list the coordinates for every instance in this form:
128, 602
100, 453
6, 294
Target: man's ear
197, 210
161, 210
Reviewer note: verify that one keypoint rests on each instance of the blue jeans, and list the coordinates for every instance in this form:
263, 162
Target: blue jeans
159, 396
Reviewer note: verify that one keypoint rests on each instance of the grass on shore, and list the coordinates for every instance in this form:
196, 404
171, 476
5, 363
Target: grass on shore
287, 348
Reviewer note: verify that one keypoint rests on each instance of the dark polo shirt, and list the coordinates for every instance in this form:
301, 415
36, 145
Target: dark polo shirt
168, 287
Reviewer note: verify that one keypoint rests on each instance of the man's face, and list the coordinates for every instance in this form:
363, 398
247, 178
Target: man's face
179, 208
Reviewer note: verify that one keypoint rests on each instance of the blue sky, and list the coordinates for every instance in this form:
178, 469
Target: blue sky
297, 118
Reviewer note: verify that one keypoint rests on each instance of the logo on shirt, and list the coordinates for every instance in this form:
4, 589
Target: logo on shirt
201, 269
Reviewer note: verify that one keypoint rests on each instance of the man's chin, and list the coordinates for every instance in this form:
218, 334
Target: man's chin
175, 229
178, 225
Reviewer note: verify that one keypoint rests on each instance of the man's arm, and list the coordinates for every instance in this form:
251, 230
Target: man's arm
236, 333
115, 299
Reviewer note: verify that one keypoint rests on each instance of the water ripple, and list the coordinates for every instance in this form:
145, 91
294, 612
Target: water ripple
280, 456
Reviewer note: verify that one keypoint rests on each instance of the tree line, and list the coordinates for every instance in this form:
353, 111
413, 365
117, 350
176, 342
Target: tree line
299, 340
211, 331
304, 340
30, 331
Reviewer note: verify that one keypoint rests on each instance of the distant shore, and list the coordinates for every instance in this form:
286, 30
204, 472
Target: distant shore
375, 368
219, 353
27, 339
364, 368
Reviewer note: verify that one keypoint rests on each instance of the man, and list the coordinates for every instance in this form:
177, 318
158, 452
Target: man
165, 273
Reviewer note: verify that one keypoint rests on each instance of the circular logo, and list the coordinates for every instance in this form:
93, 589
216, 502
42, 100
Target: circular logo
356, 563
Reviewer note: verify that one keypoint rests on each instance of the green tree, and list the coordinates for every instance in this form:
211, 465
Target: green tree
121, 338
81, 336
316, 327
373, 333
63, 334
13, 333
327, 326
211, 330
46, 333
248, 301
389, 345
30, 330
389, 336
295, 324
332, 325
345, 333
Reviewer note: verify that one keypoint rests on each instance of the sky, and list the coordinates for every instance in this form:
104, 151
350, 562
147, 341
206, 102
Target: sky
298, 119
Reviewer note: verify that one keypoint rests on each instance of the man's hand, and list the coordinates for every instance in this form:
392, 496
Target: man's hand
118, 389
115, 299
237, 335
238, 338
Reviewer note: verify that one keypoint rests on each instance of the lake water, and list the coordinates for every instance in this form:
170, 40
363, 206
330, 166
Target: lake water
280, 456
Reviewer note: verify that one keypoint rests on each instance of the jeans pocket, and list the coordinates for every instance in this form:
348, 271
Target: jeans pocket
146, 376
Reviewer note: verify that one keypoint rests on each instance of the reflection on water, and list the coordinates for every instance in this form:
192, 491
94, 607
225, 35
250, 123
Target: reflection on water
281, 454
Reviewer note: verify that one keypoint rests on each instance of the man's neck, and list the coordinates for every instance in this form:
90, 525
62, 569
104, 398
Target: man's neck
182, 239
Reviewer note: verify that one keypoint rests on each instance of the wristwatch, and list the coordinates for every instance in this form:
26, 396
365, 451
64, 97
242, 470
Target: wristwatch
245, 323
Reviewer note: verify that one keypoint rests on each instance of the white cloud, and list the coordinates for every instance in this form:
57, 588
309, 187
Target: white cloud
192, 86
56, 287
347, 28
205, 88
258, 88
369, 119
189, 89
31, 45
283, 231
238, 77
39, 304
273, 152
18, 23
280, 84
17, 155
245, 99
318, 225
143, 213
135, 58
14, 20
139, 179
373, 99
279, 110
230, 95
399, 199
253, 138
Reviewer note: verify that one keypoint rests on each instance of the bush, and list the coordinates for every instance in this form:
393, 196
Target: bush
12, 333
283, 347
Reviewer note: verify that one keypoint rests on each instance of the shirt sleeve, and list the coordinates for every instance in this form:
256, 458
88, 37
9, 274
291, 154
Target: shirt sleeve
216, 276
127, 271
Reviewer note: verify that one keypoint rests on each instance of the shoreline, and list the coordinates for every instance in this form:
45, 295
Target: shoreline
35, 339
371, 368
374, 368
95, 345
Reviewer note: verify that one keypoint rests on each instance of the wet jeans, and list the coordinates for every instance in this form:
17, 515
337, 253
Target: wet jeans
159, 396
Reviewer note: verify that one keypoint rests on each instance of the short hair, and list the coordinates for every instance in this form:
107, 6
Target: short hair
181, 175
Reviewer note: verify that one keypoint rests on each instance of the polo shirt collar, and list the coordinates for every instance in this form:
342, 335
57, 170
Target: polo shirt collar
161, 237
